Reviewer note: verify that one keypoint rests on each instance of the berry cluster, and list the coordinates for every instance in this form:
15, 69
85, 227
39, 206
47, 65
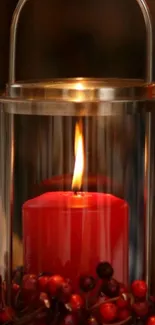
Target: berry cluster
50, 300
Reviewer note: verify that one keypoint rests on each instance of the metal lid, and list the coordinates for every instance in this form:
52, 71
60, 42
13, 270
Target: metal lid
79, 90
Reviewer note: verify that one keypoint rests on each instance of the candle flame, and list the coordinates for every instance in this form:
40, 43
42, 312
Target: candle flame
79, 158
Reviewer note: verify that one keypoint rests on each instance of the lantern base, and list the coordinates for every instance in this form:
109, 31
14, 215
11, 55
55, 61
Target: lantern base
49, 300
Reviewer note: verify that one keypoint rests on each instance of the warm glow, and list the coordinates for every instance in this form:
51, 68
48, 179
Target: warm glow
79, 158
146, 154
79, 86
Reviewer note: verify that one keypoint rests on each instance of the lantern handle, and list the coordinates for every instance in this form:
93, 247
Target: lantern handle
149, 39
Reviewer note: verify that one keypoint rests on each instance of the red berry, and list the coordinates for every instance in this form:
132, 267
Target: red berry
14, 293
54, 284
151, 320
108, 312
30, 282
123, 314
15, 289
87, 283
141, 308
43, 283
123, 301
139, 289
110, 288
104, 270
122, 289
6, 315
76, 302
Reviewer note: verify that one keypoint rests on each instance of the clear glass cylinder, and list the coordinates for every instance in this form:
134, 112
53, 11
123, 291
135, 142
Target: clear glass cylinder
73, 188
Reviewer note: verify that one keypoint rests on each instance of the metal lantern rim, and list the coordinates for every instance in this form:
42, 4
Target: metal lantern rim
78, 90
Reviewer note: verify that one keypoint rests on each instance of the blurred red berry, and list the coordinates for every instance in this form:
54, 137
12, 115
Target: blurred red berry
14, 293
122, 289
139, 289
151, 320
110, 288
76, 302
141, 308
15, 289
30, 282
6, 315
108, 312
54, 284
104, 270
43, 283
123, 301
123, 314
86, 283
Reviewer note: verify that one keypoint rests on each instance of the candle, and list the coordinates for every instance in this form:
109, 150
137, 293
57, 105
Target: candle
70, 232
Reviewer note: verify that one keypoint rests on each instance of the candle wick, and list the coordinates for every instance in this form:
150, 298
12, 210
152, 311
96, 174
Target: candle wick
75, 192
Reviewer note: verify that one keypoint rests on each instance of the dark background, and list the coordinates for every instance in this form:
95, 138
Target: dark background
57, 38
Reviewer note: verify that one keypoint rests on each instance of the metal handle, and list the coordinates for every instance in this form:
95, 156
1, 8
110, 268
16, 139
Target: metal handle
149, 46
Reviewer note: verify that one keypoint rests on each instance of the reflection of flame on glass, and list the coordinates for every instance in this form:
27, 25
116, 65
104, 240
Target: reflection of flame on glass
79, 158
146, 155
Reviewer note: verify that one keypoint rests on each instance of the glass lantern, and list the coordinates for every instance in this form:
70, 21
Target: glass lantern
75, 185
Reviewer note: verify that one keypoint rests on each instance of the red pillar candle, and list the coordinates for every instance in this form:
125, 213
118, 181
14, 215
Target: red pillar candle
69, 233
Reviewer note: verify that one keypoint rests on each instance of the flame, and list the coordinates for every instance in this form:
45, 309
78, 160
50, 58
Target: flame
79, 158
